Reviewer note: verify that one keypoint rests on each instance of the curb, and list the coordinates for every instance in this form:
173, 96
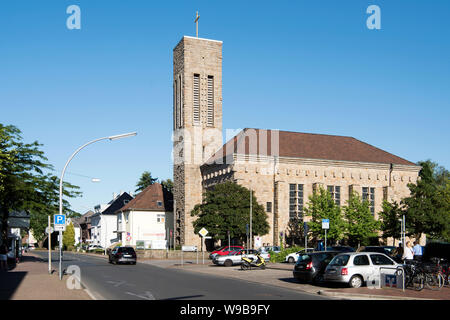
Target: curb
365, 296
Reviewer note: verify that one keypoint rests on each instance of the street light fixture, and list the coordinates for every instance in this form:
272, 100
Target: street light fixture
115, 137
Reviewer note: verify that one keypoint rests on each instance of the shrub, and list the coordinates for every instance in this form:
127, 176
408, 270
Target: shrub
281, 257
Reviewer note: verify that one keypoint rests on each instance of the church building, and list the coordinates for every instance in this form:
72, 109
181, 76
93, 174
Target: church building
282, 168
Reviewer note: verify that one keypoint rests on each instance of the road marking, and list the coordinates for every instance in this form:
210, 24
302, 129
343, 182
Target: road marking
147, 295
116, 283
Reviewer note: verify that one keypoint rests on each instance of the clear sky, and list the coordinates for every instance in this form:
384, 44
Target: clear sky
307, 66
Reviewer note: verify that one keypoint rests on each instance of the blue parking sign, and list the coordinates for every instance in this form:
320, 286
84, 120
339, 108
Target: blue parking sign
59, 219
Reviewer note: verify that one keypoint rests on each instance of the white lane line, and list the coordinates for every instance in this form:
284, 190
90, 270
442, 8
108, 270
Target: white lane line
147, 295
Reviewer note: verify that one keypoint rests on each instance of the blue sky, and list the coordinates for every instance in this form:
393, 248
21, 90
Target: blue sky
307, 66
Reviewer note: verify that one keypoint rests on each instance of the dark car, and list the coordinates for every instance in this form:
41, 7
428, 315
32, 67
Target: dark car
122, 255
310, 267
341, 249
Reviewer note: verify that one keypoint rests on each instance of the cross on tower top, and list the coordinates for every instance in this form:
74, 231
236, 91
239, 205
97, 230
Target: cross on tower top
196, 24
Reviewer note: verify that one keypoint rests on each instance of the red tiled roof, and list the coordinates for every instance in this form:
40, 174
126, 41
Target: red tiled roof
149, 198
305, 145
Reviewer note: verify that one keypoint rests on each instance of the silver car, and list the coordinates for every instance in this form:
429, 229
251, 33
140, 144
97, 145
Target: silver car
356, 268
235, 258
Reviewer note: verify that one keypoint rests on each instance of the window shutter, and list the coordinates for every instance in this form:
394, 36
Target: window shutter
196, 111
211, 101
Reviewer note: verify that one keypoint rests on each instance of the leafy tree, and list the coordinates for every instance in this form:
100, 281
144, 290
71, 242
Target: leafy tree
322, 206
389, 222
23, 184
145, 180
426, 207
361, 225
168, 184
226, 207
295, 231
69, 236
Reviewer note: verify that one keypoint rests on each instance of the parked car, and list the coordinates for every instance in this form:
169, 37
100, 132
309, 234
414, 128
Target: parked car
390, 249
355, 268
275, 249
223, 251
122, 255
293, 257
341, 249
94, 247
310, 267
235, 257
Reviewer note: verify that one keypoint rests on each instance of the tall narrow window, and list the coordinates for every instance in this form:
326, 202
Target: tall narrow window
368, 194
175, 103
210, 101
335, 192
196, 110
180, 102
295, 201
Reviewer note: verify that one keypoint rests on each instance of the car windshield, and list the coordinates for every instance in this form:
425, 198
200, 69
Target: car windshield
340, 260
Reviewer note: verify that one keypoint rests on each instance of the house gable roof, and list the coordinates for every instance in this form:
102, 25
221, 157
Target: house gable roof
117, 203
153, 198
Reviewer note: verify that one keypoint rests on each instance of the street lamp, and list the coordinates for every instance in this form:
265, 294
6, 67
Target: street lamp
115, 137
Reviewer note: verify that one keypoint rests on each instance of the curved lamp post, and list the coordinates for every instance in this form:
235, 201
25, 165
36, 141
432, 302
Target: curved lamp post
116, 137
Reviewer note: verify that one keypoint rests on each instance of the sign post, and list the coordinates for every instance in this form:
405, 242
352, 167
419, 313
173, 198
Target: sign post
203, 232
59, 221
305, 231
49, 231
325, 226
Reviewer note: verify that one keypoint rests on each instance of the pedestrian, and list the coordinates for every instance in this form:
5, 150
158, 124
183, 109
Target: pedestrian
3, 258
408, 253
417, 251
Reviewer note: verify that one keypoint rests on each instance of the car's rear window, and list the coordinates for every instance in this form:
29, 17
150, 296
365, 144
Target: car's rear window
340, 260
127, 250
304, 258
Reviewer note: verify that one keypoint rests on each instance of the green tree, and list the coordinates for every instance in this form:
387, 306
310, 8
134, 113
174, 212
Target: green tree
322, 206
390, 217
23, 183
426, 207
295, 231
361, 224
145, 180
168, 184
226, 207
69, 237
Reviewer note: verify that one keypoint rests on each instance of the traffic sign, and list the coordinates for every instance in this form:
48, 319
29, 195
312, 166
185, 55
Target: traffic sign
203, 232
59, 219
49, 230
60, 227
325, 223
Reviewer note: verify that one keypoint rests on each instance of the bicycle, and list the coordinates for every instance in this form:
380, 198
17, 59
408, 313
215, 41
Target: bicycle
441, 271
414, 276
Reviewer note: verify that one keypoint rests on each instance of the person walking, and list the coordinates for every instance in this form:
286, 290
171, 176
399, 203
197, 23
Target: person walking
3, 258
408, 253
417, 249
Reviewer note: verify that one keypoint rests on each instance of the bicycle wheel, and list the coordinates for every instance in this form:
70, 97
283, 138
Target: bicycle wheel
434, 281
417, 282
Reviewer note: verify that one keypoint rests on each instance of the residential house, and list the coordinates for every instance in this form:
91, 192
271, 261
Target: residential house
104, 220
147, 218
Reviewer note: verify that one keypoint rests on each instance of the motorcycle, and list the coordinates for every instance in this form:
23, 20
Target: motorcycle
248, 263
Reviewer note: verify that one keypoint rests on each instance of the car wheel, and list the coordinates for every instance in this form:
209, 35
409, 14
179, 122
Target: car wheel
228, 263
355, 282
291, 260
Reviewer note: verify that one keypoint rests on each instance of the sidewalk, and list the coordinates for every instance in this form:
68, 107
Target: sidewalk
29, 280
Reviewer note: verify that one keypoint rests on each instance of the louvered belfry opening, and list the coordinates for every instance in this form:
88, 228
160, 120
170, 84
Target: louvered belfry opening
196, 106
210, 101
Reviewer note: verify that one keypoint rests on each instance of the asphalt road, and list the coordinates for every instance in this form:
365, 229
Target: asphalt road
147, 282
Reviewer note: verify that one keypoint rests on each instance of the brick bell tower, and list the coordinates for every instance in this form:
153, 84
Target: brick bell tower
197, 125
